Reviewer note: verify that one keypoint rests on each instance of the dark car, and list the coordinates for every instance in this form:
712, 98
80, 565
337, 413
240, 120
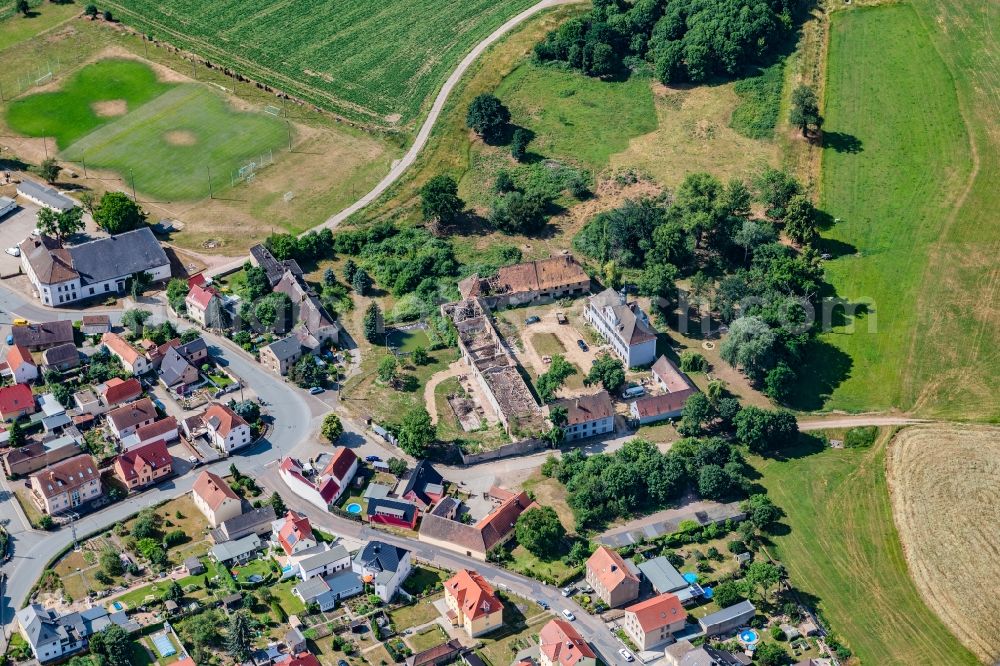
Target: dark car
543, 604
341, 662
532, 320
372, 459
582, 345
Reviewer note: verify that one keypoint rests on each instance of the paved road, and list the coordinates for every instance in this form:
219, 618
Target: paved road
404, 163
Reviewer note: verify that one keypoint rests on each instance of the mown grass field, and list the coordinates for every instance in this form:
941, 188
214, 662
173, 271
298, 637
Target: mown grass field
843, 550
895, 168
375, 62
16, 28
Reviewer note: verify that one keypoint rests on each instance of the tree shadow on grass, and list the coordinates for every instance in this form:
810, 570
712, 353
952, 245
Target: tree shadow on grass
824, 369
843, 143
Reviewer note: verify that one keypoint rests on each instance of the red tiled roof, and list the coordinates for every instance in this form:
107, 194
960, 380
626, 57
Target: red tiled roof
211, 488
66, 475
15, 398
301, 659
202, 296
295, 529
610, 568
120, 347
197, 280
117, 391
665, 403
17, 355
132, 414
157, 428
474, 595
499, 522
671, 375
340, 464
658, 612
153, 455
224, 419
563, 644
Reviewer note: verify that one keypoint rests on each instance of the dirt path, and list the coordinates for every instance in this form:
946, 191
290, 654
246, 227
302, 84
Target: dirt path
404, 163
836, 421
454, 370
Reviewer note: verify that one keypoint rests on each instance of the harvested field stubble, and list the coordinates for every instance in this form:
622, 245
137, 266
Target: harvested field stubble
944, 480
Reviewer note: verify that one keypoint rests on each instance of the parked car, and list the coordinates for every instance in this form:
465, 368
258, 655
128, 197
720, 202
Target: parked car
561, 318
316, 389
372, 459
568, 614
13, 251
532, 320
582, 345
544, 605
626, 655
568, 591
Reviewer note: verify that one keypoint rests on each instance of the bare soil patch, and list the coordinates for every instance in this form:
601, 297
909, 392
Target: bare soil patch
110, 108
944, 481
180, 138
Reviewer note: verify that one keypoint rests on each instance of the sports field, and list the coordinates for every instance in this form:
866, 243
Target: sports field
116, 115
843, 550
378, 62
896, 170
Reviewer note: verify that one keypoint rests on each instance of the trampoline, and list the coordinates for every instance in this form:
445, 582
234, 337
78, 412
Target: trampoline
164, 645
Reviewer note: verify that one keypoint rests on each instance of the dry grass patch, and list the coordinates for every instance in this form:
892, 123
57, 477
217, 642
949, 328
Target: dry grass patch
944, 480
180, 138
693, 134
110, 108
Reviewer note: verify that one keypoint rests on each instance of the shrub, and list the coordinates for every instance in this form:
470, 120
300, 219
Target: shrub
861, 437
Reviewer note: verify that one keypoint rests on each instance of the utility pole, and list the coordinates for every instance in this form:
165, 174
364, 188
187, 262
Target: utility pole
289, 128
210, 194
132, 178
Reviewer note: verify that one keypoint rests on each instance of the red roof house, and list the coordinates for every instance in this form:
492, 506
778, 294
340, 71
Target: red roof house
16, 401
117, 390
144, 464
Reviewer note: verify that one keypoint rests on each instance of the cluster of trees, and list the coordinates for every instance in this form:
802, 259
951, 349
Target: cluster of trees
685, 40
639, 478
116, 213
550, 381
60, 224
416, 432
760, 430
707, 229
540, 532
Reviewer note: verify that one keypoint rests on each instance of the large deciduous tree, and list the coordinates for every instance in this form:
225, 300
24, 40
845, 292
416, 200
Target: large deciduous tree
540, 531
439, 200
487, 117
805, 109
116, 213
416, 432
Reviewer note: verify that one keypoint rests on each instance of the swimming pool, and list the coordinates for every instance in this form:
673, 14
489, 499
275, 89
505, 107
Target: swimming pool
748, 637
118, 606
691, 577
354, 508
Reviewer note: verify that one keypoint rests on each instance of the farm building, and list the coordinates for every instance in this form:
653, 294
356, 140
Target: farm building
530, 282
44, 196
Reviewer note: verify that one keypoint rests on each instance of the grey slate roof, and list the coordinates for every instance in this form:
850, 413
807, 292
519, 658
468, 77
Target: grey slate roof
48, 196
421, 476
64, 353
286, 347
189, 349
43, 626
118, 256
173, 367
230, 550
380, 556
344, 583
323, 558
728, 614
312, 588
662, 575
249, 521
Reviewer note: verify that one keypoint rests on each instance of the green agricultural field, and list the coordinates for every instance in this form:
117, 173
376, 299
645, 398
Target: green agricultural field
843, 550
16, 28
376, 62
895, 165
116, 115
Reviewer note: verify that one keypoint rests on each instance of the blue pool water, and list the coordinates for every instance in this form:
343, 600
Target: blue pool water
354, 507
691, 577
709, 592
118, 606
748, 636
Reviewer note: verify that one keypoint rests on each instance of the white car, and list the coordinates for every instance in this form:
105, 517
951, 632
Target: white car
626, 655
568, 591
568, 614
13, 251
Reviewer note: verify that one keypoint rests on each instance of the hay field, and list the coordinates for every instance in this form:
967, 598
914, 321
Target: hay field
944, 480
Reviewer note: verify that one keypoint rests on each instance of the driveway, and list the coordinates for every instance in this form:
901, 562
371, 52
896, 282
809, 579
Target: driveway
14, 228
567, 334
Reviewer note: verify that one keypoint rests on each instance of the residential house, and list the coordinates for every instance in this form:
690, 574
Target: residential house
612, 578
54, 417
195, 351
674, 389
293, 533
494, 529
45, 196
239, 551
684, 653
653, 622
95, 324
20, 366
301, 658
16, 401
54, 637
338, 473
624, 326
176, 373
226, 429
215, 499
587, 416
117, 391
727, 619
36, 337
314, 325
423, 486
560, 644
66, 484
261, 257
87, 402
472, 603
204, 306
35, 455
256, 521
390, 511
321, 560
530, 282
668, 378
144, 465
295, 641
164, 430
61, 358
662, 575
132, 360
326, 592
445, 653
124, 420
384, 565
281, 355
94, 269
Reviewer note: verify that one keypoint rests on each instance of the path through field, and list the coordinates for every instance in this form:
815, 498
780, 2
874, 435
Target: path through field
424, 134
944, 480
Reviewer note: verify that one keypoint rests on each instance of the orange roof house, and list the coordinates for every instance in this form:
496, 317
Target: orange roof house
612, 578
144, 464
472, 604
653, 622
215, 498
560, 644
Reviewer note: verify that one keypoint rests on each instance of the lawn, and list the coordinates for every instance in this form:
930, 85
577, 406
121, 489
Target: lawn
547, 344
260, 567
288, 601
423, 579
554, 571
415, 614
428, 638
842, 550
894, 166
374, 62
16, 28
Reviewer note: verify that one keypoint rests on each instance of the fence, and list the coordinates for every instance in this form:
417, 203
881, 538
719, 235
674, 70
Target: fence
523, 447
36, 76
